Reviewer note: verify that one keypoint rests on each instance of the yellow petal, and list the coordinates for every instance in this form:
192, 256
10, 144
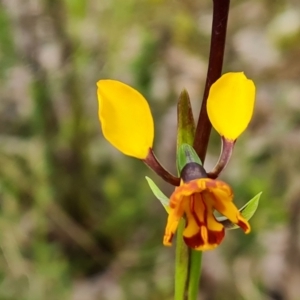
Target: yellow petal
125, 117
230, 104
202, 231
224, 205
176, 211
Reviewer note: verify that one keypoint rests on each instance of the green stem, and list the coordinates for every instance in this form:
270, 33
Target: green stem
194, 274
181, 264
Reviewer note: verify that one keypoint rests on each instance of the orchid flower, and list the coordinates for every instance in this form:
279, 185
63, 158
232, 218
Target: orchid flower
127, 124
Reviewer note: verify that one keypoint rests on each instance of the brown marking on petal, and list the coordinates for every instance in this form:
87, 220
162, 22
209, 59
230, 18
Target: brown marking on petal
205, 211
194, 212
192, 203
215, 237
194, 241
197, 241
244, 225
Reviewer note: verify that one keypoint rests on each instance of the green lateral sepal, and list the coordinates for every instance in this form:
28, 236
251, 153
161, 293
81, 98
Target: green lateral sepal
164, 200
247, 211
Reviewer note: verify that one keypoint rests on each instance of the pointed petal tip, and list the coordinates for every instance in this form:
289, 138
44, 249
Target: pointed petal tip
242, 223
167, 240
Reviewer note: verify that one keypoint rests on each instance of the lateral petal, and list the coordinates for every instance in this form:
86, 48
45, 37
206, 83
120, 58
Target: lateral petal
125, 117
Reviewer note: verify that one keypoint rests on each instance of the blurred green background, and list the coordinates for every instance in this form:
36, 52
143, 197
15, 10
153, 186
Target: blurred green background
77, 220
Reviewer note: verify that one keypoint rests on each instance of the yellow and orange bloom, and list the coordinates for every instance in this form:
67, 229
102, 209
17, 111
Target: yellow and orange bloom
197, 200
127, 124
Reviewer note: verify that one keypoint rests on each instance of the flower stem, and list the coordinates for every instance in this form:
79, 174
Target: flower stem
194, 274
217, 47
203, 129
181, 264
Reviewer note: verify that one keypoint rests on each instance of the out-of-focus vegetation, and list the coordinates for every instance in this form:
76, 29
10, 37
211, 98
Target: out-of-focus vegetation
77, 218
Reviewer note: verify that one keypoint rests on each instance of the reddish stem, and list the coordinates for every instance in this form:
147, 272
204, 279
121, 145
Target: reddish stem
217, 46
227, 148
152, 162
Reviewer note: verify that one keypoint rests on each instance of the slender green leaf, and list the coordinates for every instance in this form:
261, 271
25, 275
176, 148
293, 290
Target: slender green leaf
164, 200
247, 211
